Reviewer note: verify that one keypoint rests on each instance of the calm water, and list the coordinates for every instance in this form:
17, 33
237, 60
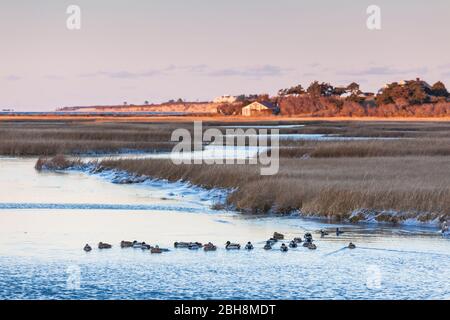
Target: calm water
47, 218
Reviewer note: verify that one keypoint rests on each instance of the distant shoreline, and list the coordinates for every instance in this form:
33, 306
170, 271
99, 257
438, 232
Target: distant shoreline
120, 117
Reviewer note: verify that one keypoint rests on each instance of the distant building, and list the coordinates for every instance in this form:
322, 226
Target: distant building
259, 109
225, 99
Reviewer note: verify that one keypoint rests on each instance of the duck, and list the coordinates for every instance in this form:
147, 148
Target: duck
209, 247
232, 246
351, 246
339, 232
293, 244
87, 248
138, 245
272, 241
278, 236
126, 244
268, 245
194, 246
102, 245
283, 248
312, 246
249, 246
156, 249
145, 246
323, 233
181, 244
308, 237
298, 240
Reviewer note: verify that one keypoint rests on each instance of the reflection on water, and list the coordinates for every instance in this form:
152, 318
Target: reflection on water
41, 247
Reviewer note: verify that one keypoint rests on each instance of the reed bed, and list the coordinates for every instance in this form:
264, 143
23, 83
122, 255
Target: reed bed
326, 187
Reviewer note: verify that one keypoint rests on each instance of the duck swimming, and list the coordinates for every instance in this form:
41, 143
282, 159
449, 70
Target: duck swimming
298, 240
249, 246
232, 246
194, 246
283, 248
312, 246
339, 232
126, 244
351, 246
268, 245
102, 245
209, 247
87, 248
308, 237
156, 249
181, 244
293, 244
139, 245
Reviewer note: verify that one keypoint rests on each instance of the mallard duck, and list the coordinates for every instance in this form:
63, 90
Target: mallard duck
102, 245
156, 249
339, 232
209, 247
351, 246
293, 244
308, 237
87, 248
278, 236
181, 244
138, 245
298, 240
232, 246
284, 248
194, 246
126, 244
145, 246
312, 246
272, 241
323, 233
268, 245
249, 246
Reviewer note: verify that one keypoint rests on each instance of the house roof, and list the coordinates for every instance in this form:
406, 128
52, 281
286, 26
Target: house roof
266, 104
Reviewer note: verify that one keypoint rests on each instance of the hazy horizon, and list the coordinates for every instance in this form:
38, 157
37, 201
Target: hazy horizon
198, 49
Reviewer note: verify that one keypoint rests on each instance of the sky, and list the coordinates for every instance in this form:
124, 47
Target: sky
156, 50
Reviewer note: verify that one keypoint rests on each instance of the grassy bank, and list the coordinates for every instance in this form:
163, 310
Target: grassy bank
329, 187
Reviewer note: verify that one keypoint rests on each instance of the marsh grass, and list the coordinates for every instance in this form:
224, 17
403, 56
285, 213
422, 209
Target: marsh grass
327, 187
327, 178
48, 139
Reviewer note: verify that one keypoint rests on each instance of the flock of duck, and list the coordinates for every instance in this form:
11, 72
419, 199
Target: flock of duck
307, 242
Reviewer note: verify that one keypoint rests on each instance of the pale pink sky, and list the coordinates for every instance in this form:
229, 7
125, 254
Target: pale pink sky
166, 49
